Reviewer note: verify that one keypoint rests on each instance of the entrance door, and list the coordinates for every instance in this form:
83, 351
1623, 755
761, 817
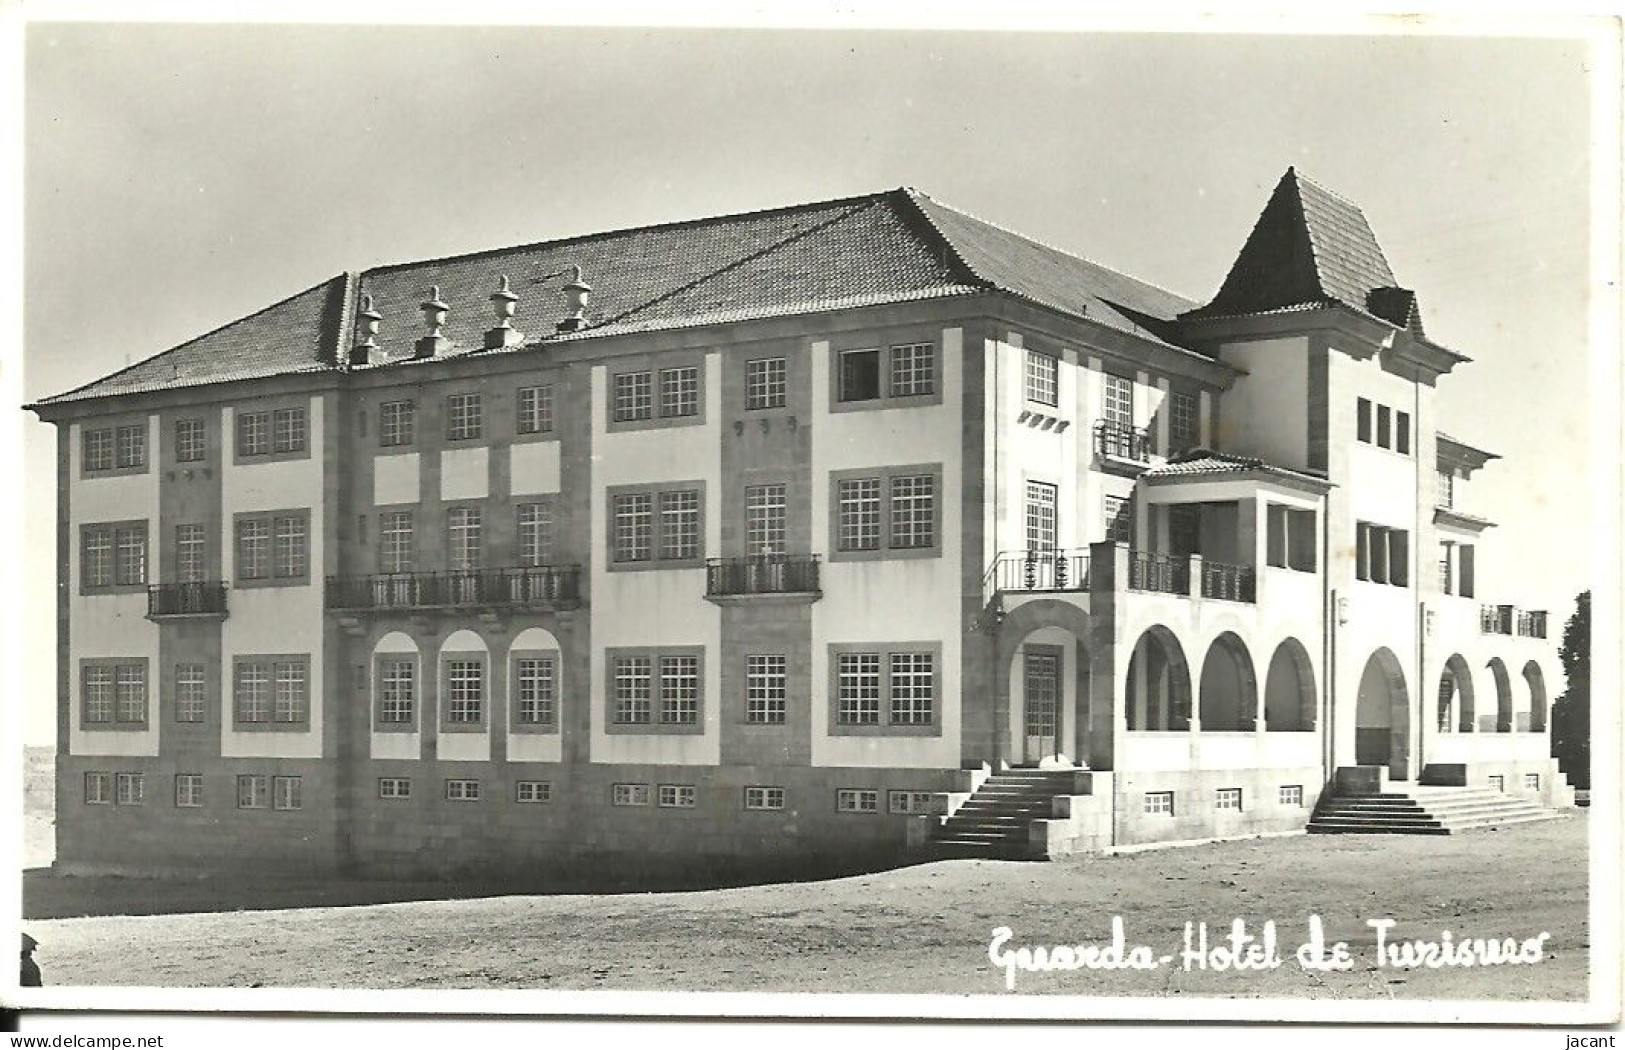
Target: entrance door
1041, 691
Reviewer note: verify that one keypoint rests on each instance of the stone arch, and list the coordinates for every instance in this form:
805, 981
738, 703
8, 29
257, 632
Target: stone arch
1016, 628
1535, 679
1157, 693
1456, 711
1382, 716
1503, 695
1289, 689
1228, 696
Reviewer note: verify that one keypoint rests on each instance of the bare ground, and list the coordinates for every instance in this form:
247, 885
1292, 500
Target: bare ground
918, 929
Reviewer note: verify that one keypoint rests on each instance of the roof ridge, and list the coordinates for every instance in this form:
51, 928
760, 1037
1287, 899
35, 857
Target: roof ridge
1322, 187
195, 339
1045, 244
913, 196
620, 231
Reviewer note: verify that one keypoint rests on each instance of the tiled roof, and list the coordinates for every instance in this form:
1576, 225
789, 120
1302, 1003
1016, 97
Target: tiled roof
1203, 461
1311, 247
295, 335
896, 246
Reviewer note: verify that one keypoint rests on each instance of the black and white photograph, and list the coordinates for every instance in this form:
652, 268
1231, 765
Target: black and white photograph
847, 517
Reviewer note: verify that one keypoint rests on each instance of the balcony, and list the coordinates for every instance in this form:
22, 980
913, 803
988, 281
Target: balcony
199, 599
1122, 445
763, 575
1040, 570
1160, 573
547, 587
1229, 583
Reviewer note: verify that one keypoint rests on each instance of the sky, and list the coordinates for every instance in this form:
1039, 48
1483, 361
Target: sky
179, 176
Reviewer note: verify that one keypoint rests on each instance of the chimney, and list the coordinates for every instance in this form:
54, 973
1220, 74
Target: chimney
505, 304
434, 317
575, 301
366, 332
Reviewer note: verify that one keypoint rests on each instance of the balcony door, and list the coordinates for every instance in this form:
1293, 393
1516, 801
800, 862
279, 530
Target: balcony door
1041, 702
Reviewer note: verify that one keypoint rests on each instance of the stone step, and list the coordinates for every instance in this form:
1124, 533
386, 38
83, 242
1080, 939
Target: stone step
1462, 810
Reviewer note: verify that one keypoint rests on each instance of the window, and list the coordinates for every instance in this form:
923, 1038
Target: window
191, 557
904, 520
679, 690
895, 688
1227, 798
1184, 530
535, 410
639, 534
859, 515
1447, 489
1118, 519
287, 793
132, 789
464, 413
190, 699
764, 519
131, 446
630, 794
463, 790
535, 690
1040, 516
98, 454
114, 555
253, 791
536, 791
1118, 402
463, 538
1041, 378
397, 691
765, 383
253, 434
680, 391
633, 397
1183, 425
274, 546
98, 789
1498, 782
288, 430
1291, 795
190, 442
913, 688
856, 800
397, 423
1381, 554
632, 675
680, 525
908, 801
764, 798
676, 796
1402, 433
1384, 422
765, 689
535, 534
635, 677
271, 692
913, 511
858, 689
860, 375
394, 787
1362, 420
1161, 802
1290, 538
114, 694
395, 542
1531, 781
465, 692
913, 370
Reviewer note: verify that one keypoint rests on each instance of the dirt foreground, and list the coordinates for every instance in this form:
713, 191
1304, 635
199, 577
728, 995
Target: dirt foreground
919, 929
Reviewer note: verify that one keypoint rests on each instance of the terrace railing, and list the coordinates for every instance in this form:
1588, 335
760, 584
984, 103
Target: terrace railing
523, 586
1041, 570
1158, 572
1231, 583
1122, 441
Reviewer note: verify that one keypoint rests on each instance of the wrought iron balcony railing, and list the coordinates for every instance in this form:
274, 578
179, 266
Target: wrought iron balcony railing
196, 598
1041, 570
762, 574
557, 586
1158, 572
1122, 441
1231, 583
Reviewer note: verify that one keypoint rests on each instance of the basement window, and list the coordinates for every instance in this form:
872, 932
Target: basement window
1291, 794
1160, 803
1227, 798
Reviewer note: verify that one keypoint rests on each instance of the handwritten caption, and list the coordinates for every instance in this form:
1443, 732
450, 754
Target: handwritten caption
1241, 950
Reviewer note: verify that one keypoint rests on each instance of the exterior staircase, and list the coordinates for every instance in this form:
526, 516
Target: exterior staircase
1392, 808
996, 820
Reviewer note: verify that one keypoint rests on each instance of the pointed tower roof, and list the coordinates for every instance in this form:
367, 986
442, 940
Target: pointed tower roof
1311, 247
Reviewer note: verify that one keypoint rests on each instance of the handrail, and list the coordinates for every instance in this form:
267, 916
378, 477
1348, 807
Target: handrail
762, 574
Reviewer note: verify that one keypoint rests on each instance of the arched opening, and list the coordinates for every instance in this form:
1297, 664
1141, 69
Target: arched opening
1503, 696
1455, 697
1228, 697
1042, 715
1289, 690
1382, 719
396, 676
1158, 690
1536, 681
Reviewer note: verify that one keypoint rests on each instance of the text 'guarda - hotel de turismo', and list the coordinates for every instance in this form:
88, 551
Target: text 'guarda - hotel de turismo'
858, 527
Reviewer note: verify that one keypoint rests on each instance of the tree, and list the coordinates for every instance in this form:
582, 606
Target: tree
1571, 715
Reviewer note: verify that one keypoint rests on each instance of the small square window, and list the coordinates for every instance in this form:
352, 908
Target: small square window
1498, 782
538, 792
1160, 803
764, 798
1531, 781
463, 790
677, 796
630, 795
1227, 798
856, 800
912, 802
394, 787
1291, 795
860, 375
